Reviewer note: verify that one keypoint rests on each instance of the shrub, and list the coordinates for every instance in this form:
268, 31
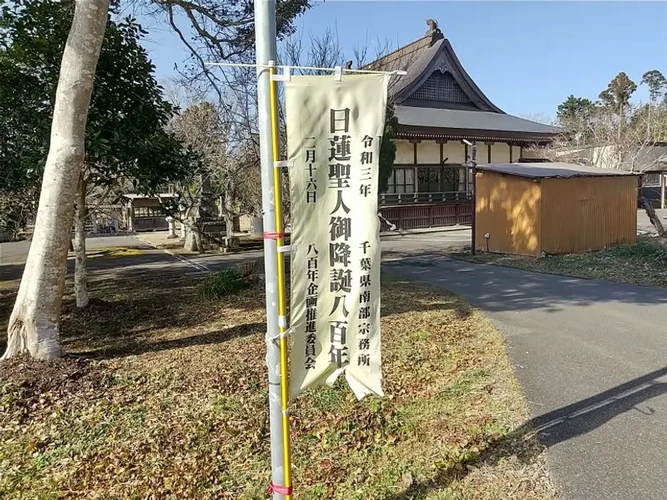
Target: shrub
222, 283
643, 249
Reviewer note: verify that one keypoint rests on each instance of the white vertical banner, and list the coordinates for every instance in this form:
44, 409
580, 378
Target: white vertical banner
334, 130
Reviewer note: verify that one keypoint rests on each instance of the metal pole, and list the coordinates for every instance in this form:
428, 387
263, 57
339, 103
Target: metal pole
474, 197
265, 44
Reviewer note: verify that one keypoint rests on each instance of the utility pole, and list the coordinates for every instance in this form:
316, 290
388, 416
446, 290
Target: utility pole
265, 44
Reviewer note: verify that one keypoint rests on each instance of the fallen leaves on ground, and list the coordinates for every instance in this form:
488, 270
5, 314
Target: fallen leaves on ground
165, 397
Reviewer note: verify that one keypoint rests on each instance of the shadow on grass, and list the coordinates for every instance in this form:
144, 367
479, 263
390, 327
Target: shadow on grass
98, 260
215, 337
551, 428
124, 315
393, 303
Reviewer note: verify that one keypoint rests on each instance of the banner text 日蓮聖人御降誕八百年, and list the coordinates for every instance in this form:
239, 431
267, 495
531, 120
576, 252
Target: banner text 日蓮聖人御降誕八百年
334, 131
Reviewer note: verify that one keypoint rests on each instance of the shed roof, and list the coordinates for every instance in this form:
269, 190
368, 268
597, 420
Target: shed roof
551, 170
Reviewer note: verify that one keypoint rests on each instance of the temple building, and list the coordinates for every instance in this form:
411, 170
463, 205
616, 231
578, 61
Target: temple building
441, 113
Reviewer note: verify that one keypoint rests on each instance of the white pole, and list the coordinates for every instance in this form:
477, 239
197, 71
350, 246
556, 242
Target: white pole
265, 43
662, 190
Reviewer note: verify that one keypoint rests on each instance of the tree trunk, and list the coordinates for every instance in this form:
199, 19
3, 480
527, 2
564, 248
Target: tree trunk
193, 241
80, 264
34, 323
653, 217
229, 224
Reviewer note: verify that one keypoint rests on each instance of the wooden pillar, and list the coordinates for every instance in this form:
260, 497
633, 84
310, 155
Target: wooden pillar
130, 214
510, 145
442, 143
463, 171
662, 190
415, 171
488, 148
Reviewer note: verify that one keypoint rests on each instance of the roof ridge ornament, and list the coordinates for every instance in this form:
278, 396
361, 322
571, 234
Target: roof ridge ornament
433, 31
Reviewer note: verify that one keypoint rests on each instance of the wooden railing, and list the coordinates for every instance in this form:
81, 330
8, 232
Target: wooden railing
150, 223
391, 199
419, 216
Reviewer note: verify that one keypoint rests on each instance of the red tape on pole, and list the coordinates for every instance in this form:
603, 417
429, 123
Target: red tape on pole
273, 236
281, 490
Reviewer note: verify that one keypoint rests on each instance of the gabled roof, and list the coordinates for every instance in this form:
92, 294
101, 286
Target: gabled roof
437, 92
440, 58
430, 54
401, 58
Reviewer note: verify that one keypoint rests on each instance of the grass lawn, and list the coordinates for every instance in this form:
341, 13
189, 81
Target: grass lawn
164, 395
643, 263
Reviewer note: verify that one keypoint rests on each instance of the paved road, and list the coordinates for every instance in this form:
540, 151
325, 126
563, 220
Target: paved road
13, 255
592, 359
16, 252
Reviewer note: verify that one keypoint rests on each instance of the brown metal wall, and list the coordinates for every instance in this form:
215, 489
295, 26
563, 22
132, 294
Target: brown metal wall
508, 210
589, 213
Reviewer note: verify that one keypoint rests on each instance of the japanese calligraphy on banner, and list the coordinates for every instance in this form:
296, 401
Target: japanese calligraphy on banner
334, 130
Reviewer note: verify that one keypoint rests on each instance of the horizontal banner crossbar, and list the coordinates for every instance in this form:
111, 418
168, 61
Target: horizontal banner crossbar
335, 70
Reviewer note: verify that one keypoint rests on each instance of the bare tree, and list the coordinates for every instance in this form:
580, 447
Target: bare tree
225, 169
539, 118
613, 141
215, 31
34, 323
233, 91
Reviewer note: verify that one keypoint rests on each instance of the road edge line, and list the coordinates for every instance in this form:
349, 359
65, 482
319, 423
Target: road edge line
199, 267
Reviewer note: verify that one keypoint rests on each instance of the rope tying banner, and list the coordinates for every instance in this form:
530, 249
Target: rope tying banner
273, 236
281, 490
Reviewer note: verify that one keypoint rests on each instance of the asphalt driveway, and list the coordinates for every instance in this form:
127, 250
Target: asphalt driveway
592, 359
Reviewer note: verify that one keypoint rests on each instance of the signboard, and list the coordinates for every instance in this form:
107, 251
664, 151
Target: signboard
334, 130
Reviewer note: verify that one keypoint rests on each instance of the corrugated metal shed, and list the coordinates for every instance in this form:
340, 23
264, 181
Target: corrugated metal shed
553, 208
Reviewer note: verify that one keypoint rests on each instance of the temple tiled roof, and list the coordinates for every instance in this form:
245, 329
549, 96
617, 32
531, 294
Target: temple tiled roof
412, 116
